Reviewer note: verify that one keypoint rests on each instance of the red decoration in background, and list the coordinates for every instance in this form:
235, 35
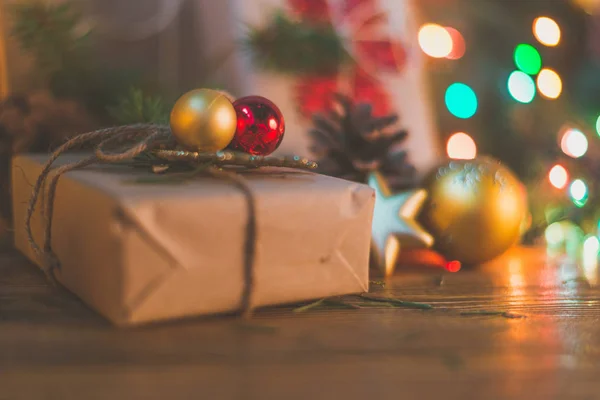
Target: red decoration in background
367, 89
315, 94
381, 54
370, 45
311, 10
350, 5
260, 126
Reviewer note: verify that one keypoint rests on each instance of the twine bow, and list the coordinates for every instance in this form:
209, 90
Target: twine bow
123, 143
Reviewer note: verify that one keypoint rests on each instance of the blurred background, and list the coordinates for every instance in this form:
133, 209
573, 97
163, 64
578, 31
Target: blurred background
517, 80
520, 81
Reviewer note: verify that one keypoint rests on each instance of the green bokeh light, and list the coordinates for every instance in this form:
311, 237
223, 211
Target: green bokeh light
598, 125
461, 100
579, 192
521, 87
528, 59
554, 234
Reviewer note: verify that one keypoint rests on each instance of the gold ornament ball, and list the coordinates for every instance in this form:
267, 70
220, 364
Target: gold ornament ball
203, 120
475, 209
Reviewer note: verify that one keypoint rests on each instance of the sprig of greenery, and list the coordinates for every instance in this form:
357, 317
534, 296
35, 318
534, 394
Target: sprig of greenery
50, 32
296, 47
397, 302
63, 58
139, 107
326, 303
363, 301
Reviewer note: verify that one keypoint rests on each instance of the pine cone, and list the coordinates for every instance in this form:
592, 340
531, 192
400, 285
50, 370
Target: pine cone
351, 143
31, 124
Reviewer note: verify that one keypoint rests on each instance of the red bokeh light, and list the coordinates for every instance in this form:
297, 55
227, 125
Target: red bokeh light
458, 44
453, 266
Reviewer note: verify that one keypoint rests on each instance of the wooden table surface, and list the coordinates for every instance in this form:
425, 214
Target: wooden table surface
53, 347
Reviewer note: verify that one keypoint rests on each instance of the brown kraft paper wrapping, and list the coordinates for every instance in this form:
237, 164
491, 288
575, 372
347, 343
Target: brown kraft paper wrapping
147, 252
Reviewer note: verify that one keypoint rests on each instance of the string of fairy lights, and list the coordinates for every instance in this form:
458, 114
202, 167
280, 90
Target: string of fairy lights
529, 78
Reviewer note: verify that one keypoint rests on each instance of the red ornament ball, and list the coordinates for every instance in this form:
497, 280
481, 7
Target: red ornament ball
260, 126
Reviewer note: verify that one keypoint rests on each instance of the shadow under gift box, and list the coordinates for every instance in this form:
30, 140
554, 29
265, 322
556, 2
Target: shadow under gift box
139, 252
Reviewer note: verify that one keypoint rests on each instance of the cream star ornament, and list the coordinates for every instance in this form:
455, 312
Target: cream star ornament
394, 225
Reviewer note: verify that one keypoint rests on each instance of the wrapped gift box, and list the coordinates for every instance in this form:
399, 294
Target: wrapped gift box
140, 252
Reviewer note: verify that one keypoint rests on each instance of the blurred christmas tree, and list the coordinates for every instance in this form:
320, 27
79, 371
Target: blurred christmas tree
521, 78
73, 89
63, 47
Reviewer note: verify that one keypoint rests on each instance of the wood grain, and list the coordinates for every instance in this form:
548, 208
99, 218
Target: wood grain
53, 347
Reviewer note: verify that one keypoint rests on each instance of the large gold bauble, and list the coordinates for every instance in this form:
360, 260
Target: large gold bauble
203, 120
475, 209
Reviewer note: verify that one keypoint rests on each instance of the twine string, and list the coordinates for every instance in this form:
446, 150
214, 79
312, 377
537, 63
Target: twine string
250, 235
134, 140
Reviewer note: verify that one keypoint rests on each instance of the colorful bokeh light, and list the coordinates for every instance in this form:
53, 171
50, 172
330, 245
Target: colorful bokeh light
528, 59
558, 176
461, 146
574, 143
461, 100
591, 246
453, 266
546, 31
578, 192
564, 237
549, 83
521, 87
435, 40
458, 44
554, 234
598, 125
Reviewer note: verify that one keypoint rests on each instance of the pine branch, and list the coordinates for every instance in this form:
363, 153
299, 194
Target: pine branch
138, 107
62, 51
297, 48
50, 32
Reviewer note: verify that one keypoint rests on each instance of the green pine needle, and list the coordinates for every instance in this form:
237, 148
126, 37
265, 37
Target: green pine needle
372, 301
327, 304
138, 107
397, 302
308, 306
